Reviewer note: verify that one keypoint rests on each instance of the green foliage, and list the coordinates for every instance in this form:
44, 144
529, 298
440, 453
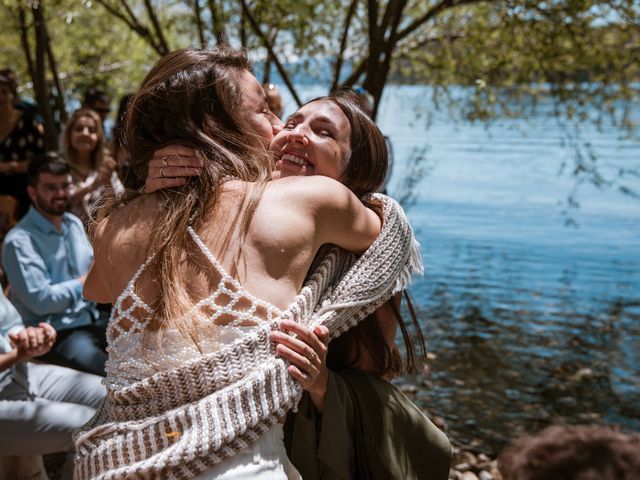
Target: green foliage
91, 48
580, 51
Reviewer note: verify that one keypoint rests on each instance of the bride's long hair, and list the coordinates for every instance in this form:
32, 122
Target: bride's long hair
192, 97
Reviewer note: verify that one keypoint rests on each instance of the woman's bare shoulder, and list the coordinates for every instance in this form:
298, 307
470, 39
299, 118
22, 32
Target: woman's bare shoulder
125, 231
120, 246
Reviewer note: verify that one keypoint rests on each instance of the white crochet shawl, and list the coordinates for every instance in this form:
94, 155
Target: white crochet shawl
180, 422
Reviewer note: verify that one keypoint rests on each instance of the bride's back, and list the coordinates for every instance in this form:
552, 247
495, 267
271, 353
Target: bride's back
269, 260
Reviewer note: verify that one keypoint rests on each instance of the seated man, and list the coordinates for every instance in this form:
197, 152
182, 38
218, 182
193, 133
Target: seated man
46, 258
40, 405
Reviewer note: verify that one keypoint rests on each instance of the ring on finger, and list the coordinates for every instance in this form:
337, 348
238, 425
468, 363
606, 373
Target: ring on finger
311, 357
164, 162
162, 171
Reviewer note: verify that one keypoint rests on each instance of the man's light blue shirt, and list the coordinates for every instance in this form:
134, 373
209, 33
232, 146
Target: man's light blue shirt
43, 266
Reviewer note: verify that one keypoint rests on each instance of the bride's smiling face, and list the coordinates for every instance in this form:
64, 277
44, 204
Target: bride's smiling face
315, 140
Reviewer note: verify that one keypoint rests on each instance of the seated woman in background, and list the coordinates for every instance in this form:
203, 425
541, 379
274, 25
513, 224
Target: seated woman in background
21, 138
93, 168
40, 405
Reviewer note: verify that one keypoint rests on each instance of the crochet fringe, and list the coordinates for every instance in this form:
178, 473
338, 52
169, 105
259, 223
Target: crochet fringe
180, 422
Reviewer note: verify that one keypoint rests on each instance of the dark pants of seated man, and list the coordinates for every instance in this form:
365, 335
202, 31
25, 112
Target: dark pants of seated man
82, 348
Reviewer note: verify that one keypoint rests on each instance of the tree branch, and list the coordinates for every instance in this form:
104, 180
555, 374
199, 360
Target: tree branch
283, 73
53, 64
432, 12
416, 43
216, 23
157, 27
132, 23
40, 80
119, 15
374, 38
391, 7
198, 14
357, 72
343, 44
266, 76
24, 40
378, 81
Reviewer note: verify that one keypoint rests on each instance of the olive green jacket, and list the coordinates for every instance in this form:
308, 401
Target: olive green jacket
369, 430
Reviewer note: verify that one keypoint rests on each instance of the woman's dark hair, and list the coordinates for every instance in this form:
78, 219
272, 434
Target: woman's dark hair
49, 162
345, 350
129, 180
366, 168
118, 127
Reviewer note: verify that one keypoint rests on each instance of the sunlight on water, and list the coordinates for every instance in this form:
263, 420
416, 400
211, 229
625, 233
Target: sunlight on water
531, 321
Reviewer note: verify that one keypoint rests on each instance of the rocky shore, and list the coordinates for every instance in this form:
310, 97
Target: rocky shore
467, 465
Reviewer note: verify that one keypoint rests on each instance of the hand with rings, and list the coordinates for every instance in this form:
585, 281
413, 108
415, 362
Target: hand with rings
306, 350
33, 341
171, 167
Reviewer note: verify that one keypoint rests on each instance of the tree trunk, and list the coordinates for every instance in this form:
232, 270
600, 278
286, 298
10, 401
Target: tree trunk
198, 14
40, 80
265, 41
243, 30
59, 96
266, 76
337, 67
24, 40
216, 23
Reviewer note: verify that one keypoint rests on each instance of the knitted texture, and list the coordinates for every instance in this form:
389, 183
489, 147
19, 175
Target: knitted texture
180, 422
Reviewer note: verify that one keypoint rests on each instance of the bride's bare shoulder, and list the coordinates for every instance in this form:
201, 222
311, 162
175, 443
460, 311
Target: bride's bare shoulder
127, 227
120, 245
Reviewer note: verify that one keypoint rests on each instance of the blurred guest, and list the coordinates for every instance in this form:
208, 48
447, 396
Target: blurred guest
274, 99
585, 452
98, 101
93, 169
46, 258
21, 138
40, 405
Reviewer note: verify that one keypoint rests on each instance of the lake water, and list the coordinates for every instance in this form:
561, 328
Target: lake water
531, 309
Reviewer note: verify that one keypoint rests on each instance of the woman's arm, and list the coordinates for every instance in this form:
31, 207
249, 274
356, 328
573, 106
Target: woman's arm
103, 177
14, 166
337, 216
